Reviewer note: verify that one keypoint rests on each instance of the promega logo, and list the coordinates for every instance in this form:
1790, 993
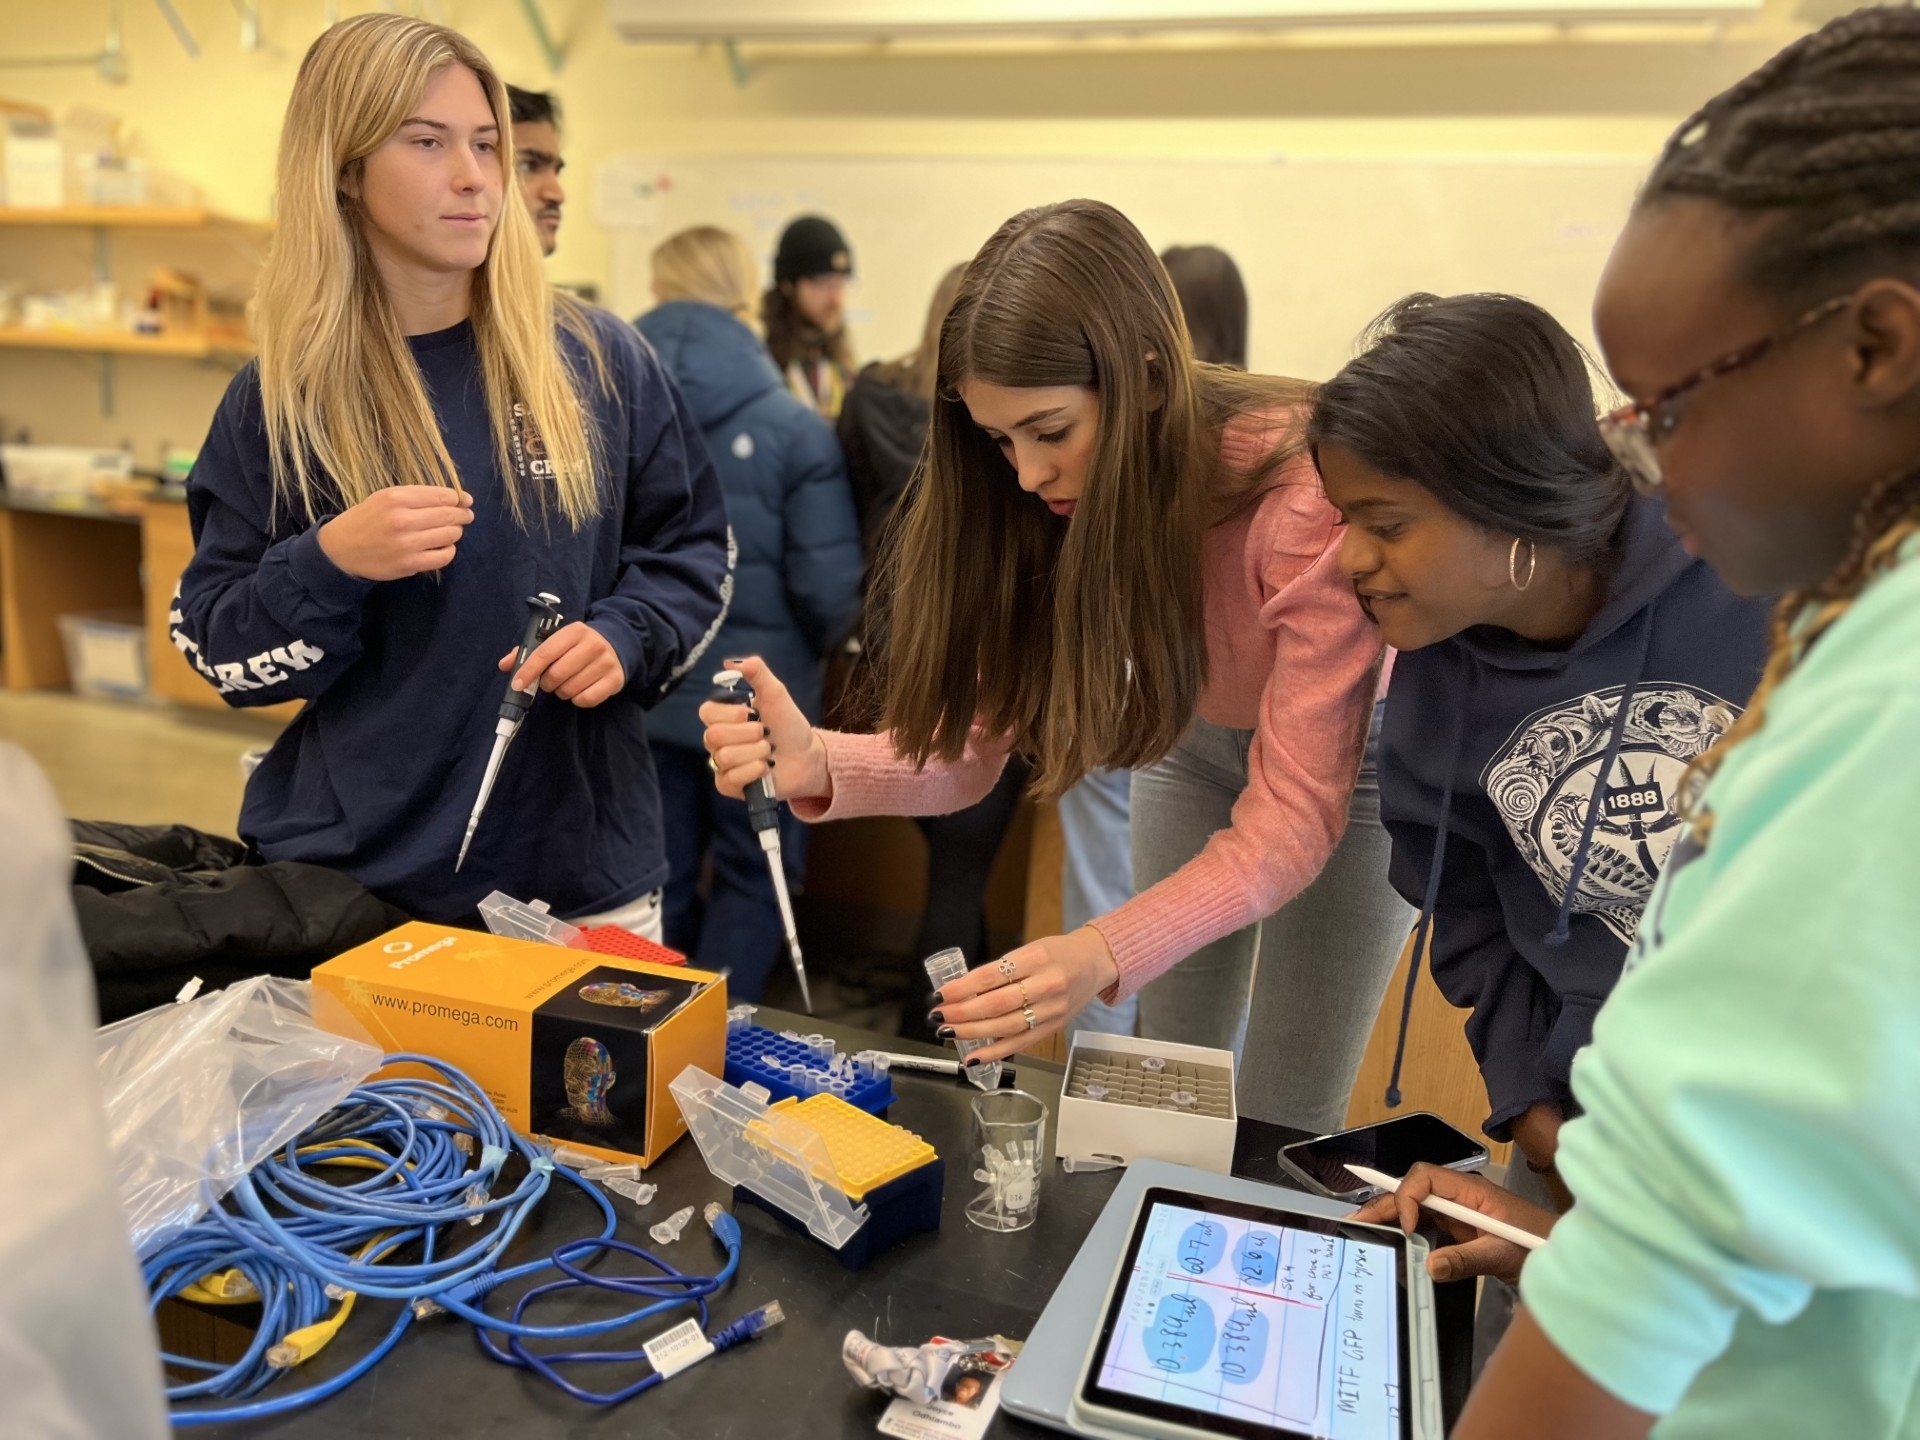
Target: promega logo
403, 947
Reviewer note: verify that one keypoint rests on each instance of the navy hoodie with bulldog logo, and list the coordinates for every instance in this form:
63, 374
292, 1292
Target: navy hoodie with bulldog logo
1533, 795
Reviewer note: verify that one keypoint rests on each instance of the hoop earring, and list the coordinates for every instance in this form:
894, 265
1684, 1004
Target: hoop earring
1513, 564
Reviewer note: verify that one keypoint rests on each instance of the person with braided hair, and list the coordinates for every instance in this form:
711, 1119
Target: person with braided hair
1743, 1253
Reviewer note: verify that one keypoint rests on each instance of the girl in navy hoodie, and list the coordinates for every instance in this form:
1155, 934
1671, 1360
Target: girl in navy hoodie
431, 435
1562, 660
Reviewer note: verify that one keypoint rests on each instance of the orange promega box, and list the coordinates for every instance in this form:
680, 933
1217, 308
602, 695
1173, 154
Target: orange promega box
572, 1046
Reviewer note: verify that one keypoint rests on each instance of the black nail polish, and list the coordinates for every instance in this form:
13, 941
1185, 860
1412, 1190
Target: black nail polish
945, 1032
934, 1017
969, 1063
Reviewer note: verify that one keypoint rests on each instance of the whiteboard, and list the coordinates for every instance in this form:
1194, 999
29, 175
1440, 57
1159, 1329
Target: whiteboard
1324, 245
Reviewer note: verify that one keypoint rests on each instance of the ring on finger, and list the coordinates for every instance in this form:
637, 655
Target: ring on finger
1006, 967
1026, 1000
1026, 1012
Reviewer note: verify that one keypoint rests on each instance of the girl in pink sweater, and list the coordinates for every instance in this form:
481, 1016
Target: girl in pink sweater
1115, 556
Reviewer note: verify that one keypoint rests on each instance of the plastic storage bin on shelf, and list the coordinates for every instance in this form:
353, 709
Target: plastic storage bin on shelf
59, 475
106, 653
851, 1180
759, 1056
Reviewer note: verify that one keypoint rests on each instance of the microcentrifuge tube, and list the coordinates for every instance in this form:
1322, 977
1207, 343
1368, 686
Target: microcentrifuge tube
943, 969
797, 1077
668, 1230
1185, 1099
863, 1064
1153, 1063
605, 1171
634, 1190
1097, 1092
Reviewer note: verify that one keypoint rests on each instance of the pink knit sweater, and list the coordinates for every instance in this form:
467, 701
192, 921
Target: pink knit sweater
1289, 656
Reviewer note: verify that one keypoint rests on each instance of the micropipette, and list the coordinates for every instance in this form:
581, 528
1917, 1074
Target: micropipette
543, 618
763, 814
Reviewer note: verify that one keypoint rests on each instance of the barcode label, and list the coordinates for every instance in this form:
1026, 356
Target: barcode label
685, 1344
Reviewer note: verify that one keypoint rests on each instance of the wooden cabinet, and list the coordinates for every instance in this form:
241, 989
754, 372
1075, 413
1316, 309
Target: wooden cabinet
55, 563
166, 545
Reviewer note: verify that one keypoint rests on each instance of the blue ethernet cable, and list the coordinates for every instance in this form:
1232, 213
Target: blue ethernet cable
306, 1247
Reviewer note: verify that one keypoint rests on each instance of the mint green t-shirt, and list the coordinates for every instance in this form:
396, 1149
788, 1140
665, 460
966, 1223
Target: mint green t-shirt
1744, 1257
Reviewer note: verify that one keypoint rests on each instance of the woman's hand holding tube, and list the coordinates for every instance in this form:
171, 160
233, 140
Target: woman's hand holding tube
780, 743
1050, 981
1475, 1252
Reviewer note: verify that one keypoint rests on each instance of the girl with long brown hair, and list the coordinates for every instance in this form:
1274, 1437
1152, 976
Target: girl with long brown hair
430, 435
1115, 556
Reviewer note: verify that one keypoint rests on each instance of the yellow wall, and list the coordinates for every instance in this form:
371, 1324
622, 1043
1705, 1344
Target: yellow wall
214, 121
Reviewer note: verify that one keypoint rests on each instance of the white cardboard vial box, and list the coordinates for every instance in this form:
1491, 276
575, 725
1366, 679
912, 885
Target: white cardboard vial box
1106, 1130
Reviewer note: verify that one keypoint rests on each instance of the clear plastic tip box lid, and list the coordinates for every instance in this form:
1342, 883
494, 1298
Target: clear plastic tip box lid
773, 1152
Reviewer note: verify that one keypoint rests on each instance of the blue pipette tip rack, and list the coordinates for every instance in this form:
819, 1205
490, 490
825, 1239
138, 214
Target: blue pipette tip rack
758, 1056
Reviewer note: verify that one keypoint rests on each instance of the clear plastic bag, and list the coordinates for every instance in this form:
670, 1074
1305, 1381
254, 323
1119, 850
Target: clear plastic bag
197, 1094
77, 1351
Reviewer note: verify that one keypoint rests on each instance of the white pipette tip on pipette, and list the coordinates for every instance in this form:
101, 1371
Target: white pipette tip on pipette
1465, 1214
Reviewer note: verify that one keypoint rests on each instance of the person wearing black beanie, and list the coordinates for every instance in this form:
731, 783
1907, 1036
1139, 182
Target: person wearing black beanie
804, 314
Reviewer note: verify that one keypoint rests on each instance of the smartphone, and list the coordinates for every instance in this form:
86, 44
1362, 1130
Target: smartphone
1394, 1146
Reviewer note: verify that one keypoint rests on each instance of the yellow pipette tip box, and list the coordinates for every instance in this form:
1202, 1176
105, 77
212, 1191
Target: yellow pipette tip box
867, 1152
851, 1180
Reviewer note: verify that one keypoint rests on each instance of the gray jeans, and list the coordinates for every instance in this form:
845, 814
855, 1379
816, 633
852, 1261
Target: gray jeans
1304, 985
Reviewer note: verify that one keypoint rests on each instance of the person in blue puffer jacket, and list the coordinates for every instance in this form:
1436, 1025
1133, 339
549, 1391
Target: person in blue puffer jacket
796, 588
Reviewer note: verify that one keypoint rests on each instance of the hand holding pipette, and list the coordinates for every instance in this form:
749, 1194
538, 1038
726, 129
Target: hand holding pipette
763, 814
776, 743
543, 618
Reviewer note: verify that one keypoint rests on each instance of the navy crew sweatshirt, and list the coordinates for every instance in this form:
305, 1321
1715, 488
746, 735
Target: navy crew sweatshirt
1491, 760
378, 773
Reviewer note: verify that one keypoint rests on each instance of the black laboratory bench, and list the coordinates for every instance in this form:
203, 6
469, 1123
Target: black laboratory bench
959, 1281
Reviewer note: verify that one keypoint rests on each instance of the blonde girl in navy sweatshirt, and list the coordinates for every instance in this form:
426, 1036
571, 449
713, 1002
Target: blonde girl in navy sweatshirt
429, 436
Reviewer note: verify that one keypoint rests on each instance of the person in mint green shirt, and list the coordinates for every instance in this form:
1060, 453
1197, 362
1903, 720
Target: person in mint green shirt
1743, 1253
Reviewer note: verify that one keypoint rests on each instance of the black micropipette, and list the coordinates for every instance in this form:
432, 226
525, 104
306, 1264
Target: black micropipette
763, 814
543, 618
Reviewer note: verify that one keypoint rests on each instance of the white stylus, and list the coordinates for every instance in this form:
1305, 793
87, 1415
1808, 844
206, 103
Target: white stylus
1526, 1239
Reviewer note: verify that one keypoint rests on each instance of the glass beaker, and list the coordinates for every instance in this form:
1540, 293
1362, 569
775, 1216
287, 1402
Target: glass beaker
1009, 1154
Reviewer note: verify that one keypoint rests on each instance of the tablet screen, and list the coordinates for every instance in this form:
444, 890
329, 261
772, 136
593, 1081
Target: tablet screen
1242, 1320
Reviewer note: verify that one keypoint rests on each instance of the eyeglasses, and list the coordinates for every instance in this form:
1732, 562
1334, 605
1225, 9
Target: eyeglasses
1636, 432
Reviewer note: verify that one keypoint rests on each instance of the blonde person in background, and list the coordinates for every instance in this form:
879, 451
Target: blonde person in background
431, 434
796, 589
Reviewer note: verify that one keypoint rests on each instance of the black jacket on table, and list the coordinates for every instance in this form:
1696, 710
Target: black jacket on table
1531, 870
378, 773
